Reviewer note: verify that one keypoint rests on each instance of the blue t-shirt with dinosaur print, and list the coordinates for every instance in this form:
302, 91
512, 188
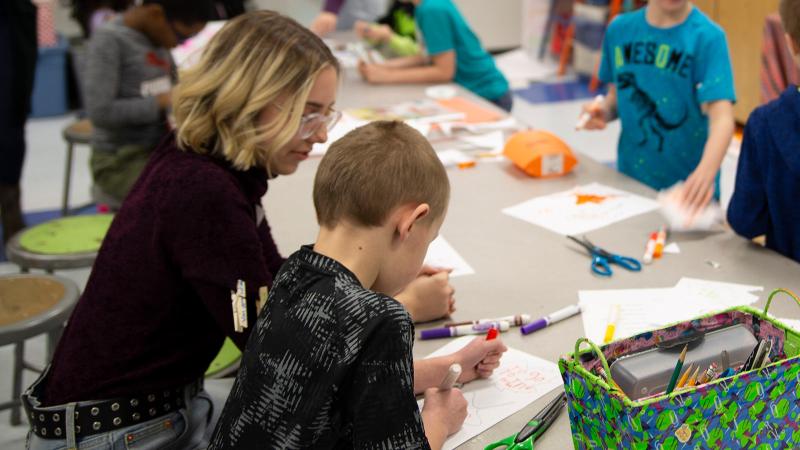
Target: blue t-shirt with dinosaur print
663, 76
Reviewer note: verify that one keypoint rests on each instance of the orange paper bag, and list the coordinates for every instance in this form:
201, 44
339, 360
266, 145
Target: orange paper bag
540, 154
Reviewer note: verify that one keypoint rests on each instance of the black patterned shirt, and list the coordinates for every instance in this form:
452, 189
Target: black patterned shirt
329, 365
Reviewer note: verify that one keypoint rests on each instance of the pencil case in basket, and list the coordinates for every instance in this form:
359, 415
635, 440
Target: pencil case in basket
756, 409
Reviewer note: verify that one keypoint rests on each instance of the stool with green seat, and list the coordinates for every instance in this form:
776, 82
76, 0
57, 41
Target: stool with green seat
226, 362
65, 243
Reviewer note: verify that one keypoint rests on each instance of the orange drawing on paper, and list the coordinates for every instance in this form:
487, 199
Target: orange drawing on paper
581, 199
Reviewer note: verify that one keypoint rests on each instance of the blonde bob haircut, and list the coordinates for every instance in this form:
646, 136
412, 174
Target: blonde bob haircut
258, 59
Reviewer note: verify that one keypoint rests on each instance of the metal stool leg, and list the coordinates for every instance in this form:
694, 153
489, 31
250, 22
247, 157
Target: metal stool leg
16, 389
67, 180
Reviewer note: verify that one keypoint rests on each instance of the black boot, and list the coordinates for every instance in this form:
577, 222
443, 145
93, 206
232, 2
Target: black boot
10, 211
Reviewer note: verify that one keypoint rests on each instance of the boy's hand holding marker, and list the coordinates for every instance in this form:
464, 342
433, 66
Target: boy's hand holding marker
595, 115
444, 410
479, 358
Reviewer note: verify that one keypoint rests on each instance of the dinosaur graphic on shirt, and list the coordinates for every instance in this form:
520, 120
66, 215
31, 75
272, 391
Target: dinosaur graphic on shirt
650, 121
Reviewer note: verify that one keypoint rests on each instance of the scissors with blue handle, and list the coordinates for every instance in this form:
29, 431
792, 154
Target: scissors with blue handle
602, 260
527, 436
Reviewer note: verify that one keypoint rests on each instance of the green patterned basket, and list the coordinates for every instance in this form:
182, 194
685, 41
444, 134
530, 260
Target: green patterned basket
757, 409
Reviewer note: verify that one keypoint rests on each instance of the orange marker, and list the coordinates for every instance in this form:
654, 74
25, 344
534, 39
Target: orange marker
466, 164
661, 240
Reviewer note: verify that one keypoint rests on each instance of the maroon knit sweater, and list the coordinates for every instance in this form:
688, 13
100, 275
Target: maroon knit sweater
157, 305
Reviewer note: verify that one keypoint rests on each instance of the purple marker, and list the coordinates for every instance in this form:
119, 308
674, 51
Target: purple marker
557, 316
463, 330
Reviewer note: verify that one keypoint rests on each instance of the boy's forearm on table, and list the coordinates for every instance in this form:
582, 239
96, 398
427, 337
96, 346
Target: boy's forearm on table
406, 62
421, 74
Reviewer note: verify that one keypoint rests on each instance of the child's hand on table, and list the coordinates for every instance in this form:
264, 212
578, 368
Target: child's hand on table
698, 190
479, 358
429, 296
324, 23
373, 73
372, 31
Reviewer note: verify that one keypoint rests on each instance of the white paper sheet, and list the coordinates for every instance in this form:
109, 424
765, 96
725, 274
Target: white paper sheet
509, 123
492, 141
442, 254
349, 123
345, 125
581, 209
646, 309
520, 380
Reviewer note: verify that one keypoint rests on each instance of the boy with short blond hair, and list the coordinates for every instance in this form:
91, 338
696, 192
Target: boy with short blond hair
329, 364
764, 200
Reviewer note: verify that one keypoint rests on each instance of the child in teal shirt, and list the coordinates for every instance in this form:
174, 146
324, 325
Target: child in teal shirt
671, 86
454, 54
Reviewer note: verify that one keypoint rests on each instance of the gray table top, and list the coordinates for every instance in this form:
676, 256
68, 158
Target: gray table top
522, 268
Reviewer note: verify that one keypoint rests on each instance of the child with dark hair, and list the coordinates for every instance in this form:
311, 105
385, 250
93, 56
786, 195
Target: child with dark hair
128, 81
91, 14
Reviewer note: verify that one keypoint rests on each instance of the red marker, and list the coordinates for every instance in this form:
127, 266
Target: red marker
491, 334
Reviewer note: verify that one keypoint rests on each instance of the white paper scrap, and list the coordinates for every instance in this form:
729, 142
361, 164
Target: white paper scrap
452, 158
492, 141
672, 248
520, 380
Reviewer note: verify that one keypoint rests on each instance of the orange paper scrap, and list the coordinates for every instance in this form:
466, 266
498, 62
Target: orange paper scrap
473, 112
540, 153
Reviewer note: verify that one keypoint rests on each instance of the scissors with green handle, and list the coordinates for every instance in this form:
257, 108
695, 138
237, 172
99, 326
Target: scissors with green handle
527, 436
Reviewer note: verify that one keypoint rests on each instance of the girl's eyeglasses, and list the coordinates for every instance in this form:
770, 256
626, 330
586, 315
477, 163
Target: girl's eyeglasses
310, 123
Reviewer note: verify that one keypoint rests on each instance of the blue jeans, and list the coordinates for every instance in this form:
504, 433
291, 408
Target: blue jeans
186, 428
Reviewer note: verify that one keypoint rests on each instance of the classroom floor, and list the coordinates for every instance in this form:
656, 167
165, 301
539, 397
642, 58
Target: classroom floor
556, 107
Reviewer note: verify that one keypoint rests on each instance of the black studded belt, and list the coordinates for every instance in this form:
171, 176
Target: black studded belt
106, 415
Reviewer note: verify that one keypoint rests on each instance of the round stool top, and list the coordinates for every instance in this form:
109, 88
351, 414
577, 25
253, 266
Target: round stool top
77, 234
65, 243
33, 304
79, 132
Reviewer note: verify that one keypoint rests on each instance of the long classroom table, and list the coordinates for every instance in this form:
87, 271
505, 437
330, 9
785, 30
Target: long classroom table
522, 268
